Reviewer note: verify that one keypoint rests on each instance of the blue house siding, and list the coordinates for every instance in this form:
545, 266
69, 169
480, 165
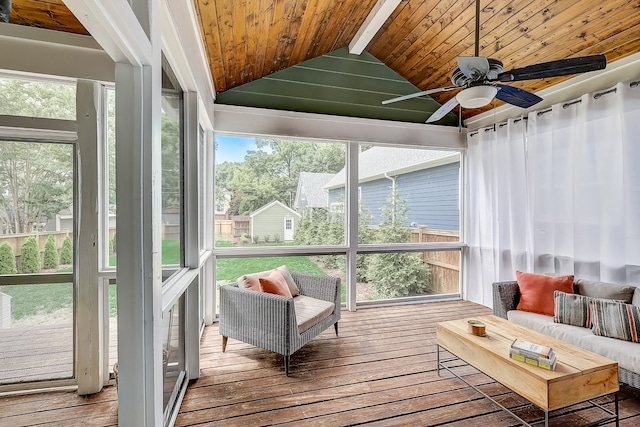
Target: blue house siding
431, 196
336, 195
373, 195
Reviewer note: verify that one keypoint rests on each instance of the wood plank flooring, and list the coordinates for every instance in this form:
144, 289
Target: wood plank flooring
381, 371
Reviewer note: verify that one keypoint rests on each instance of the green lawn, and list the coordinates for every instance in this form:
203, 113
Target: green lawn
30, 300
170, 253
229, 269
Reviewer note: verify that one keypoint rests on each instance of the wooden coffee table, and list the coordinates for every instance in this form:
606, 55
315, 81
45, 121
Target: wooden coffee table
580, 375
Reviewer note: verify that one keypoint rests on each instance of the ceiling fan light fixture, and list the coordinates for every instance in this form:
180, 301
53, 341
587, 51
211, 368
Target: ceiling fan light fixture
476, 96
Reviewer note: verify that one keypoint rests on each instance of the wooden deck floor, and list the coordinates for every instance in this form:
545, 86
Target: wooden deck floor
381, 371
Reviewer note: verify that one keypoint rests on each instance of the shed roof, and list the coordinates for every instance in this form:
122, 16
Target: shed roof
270, 205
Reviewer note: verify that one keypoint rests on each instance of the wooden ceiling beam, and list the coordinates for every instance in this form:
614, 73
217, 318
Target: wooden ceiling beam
376, 18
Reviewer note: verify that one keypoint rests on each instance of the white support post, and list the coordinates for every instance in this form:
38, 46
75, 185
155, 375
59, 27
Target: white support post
351, 194
139, 274
192, 233
208, 269
89, 332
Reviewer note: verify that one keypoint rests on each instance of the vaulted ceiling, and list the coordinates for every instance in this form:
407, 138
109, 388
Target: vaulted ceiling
249, 39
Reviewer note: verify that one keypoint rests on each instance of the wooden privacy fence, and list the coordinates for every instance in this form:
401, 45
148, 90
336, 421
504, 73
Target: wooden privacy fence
445, 265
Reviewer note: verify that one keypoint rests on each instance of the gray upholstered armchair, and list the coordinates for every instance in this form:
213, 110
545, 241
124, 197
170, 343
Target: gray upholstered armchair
280, 324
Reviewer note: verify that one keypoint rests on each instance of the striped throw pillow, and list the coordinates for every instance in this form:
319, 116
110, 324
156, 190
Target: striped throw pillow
571, 309
615, 319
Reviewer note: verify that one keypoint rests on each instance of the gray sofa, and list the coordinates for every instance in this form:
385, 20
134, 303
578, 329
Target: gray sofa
277, 323
505, 300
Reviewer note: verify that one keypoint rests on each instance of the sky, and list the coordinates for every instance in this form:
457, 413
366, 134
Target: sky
233, 148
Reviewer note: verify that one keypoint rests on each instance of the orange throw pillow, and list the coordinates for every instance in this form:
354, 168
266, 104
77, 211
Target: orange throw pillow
536, 291
275, 284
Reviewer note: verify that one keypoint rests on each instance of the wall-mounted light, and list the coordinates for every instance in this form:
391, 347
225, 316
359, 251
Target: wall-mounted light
5, 10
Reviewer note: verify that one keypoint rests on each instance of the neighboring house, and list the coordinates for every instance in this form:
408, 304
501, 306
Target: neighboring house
274, 219
310, 192
171, 215
222, 204
428, 180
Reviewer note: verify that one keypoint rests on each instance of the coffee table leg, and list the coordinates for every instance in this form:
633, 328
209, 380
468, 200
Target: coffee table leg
438, 361
546, 418
617, 413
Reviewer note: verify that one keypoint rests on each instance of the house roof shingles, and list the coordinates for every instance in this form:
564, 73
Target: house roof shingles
314, 194
377, 161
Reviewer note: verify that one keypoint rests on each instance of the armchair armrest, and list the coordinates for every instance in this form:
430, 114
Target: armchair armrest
325, 288
256, 318
505, 297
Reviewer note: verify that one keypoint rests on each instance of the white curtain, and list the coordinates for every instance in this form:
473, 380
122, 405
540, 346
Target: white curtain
557, 194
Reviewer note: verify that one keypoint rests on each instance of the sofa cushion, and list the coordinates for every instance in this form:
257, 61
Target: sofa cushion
274, 283
614, 319
624, 352
605, 290
310, 311
636, 297
536, 291
251, 281
571, 309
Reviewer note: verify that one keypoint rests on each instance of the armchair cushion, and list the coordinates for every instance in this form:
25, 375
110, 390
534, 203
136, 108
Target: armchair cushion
310, 311
275, 284
252, 281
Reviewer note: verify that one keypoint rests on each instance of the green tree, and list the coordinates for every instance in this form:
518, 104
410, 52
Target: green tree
7, 259
51, 259
271, 172
171, 162
111, 144
396, 274
37, 99
30, 256
113, 245
37, 180
66, 253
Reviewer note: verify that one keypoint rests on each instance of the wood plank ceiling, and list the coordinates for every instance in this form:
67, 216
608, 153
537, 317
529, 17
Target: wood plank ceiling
249, 39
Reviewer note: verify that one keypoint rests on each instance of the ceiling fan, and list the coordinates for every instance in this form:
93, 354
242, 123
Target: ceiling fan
482, 79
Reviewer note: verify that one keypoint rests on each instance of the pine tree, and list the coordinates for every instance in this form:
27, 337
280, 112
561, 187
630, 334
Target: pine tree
30, 256
7, 259
66, 253
51, 259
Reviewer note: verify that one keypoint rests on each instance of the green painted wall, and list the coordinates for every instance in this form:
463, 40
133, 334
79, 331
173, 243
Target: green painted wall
337, 83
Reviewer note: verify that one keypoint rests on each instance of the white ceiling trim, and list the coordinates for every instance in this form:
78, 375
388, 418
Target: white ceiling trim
619, 71
113, 24
30, 50
261, 122
376, 18
183, 46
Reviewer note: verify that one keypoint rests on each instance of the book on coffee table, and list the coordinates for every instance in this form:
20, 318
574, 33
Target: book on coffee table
533, 354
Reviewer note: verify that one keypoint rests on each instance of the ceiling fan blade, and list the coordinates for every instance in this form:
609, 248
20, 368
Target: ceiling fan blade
443, 110
516, 96
474, 67
562, 67
417, 94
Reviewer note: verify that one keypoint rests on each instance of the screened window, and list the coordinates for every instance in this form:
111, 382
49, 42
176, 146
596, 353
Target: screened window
172, 166
274, 192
